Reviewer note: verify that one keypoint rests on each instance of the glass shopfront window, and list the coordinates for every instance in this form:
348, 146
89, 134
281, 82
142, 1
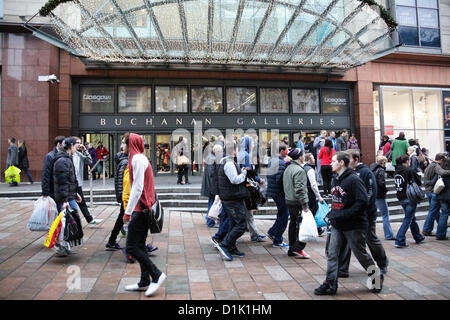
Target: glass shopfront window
97, 99
416, 112
305, 101
135, 98
207, 99
274, 100
171, 99
335, 101
241, 100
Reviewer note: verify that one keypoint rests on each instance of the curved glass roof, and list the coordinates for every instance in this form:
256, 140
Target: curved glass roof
306, 33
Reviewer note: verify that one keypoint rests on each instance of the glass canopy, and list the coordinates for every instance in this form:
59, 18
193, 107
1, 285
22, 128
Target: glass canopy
298, 33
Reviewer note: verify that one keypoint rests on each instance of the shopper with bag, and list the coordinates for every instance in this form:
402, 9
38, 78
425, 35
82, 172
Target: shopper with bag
209, 183
349, 223
47, 183
444, 197
276, 191
65, 182
12, 158
295, 189
24, 164
405, 176
142, 197
372, 240
314, 197
431, 175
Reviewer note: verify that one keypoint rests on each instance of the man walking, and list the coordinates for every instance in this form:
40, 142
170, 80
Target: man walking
47, 170
275, 190
295, 189
232, 192
373, 242
80, 157
102, 153
348, 223
142, 196
13, 156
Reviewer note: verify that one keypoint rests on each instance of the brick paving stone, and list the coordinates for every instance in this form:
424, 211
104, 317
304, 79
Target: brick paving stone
198, 276
278, 273
201, 291
8, 285
195, 268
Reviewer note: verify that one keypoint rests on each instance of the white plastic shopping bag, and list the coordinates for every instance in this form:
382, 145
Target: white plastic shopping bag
44, 213
308, 228
215, 209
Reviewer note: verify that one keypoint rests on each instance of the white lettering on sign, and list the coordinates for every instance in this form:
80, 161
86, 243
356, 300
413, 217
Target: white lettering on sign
207, 121
332, 121
335, 100
149, 122
321, 121
133, 121
164, 121
97, 98
253, 121
179, 121
289, 120
240, 121
118, 122
300, 121
102, 121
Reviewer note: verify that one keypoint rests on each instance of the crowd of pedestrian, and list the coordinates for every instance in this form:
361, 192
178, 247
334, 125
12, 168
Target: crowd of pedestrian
231, 176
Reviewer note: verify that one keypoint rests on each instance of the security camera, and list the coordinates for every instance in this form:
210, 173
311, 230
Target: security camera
50, 78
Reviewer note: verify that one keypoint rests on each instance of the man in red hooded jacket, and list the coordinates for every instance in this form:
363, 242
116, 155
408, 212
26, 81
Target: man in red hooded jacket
142, 192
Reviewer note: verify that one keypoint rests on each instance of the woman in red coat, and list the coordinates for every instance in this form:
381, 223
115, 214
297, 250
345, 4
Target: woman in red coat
325, 155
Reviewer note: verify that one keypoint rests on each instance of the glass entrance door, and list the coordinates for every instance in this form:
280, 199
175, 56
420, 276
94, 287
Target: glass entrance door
107, 140
163, 152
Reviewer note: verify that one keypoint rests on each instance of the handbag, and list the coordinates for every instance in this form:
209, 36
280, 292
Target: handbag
439, 186
155, 217
414, 192
321, 213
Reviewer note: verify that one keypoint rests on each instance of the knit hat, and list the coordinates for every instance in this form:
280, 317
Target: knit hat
295, 153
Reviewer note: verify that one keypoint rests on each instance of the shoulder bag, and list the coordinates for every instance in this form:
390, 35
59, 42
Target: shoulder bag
439, 186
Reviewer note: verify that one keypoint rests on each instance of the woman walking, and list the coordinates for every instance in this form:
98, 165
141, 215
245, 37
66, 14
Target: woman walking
404, 175
352, 142
23, 160
444, 197
325, 155
399, 147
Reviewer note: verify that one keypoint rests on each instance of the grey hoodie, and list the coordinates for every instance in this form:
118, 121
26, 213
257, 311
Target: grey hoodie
79, 159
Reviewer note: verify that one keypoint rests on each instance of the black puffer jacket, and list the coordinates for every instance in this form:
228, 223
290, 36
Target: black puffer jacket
23, 158
275, 181
121, 162
47, 184
64, 178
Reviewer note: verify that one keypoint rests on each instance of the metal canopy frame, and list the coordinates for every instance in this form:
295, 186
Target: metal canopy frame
109, 35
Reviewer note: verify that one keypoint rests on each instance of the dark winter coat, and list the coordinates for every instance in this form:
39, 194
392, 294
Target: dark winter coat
12, 158
379, 172
369, 180
64, 178
350, 201
23, 158
445, 194
275, 181
121, 162
47, 184
227, 190
403, 176
341, 144
209, 181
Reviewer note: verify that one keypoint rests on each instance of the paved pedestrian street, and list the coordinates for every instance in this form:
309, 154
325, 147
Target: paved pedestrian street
194, 267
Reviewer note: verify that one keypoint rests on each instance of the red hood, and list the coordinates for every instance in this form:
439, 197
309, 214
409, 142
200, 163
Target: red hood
136, 146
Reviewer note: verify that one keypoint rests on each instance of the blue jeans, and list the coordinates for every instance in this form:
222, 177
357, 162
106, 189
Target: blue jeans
72, 204
209, 222
30, 178
280, 225
237, 212
383, 207
443, 217
318, 173
409, 222
433, 212
224, 225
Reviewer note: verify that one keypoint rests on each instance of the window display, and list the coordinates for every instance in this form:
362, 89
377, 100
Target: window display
305, 101
335, 101
207, 99
171, 99
241, 100
135, 99
274, 100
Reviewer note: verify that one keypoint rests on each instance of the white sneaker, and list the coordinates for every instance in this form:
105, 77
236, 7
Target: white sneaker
155, 286
135, 287
95, 221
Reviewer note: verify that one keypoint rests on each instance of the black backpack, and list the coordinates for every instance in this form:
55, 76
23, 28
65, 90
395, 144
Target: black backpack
73, 233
